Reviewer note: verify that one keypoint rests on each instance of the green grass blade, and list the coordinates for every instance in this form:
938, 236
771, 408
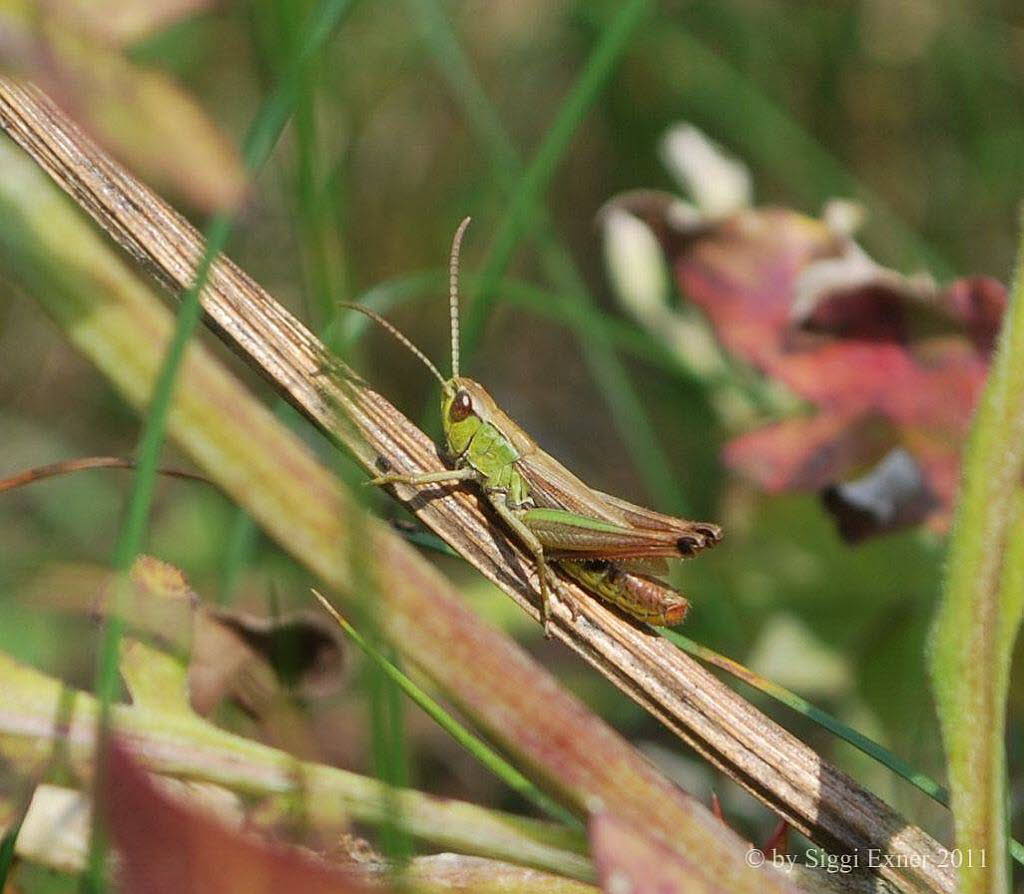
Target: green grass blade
454, 66
321, 289
259, 143
133, 527
386, 717
7, 845
279, 40
980, 612
473, 744
317, 239
532, 185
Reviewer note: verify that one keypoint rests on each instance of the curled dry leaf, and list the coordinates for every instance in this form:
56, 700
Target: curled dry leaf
305, 653
250, 659
884, 361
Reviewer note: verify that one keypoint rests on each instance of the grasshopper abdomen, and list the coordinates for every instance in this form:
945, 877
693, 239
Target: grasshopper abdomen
639, 595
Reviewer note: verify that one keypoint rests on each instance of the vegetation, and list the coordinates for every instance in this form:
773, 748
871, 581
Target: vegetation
659, 287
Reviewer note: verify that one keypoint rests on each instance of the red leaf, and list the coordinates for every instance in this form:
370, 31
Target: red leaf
887, 360
806, 453
169, 848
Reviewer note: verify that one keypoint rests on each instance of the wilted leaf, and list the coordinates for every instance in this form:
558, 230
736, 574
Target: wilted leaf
126, 21
74, 50
228, 654
887, 361
166, 846
630, 862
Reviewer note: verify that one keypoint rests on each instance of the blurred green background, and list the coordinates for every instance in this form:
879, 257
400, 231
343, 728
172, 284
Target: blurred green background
913, 107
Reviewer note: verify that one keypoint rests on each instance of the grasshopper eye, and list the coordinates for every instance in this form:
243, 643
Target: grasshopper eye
461, 408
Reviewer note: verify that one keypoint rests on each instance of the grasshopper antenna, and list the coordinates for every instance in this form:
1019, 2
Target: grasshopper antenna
453, 292
404, 339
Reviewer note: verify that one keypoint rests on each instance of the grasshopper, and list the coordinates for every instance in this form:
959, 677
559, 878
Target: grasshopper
612, 548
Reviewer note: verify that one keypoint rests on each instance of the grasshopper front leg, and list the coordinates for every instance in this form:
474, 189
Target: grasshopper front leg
427, 478
509, 516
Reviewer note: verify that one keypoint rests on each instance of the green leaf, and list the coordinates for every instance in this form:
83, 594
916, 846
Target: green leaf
980, 613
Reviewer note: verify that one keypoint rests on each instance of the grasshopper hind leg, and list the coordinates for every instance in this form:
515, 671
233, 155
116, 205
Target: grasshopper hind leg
548, 581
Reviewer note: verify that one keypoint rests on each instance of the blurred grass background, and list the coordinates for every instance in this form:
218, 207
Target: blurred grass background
912, 107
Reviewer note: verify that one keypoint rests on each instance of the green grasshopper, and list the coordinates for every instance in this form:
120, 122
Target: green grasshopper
611, 547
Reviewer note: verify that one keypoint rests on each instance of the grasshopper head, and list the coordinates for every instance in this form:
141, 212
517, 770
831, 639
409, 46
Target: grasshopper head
464, 406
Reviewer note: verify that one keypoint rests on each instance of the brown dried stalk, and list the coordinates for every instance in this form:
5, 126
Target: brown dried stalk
67, 466
784, 773
266, 468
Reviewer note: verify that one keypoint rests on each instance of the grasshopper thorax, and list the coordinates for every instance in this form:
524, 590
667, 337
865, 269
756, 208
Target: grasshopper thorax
466, 407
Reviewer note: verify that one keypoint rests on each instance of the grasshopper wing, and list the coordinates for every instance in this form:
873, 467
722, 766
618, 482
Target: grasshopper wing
704, 534
644, 533
553, 486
